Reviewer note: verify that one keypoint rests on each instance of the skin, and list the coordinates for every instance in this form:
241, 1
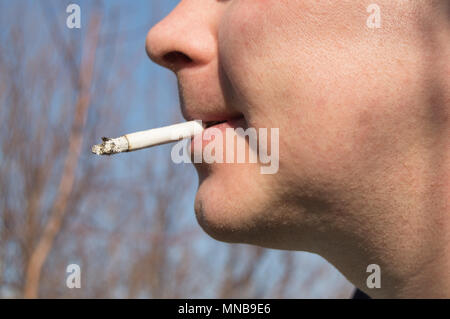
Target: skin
364, 128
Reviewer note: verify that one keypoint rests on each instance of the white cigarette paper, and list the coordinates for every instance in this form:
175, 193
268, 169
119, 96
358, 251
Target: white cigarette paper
144, 139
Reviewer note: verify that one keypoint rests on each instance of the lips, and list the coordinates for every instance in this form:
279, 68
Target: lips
222, 126
230, 123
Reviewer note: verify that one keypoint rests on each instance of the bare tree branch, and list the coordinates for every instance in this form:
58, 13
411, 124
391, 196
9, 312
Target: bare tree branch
57, 214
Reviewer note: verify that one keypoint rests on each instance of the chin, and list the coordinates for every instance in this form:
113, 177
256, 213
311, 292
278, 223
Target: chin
223, 205
212, 222
231, 204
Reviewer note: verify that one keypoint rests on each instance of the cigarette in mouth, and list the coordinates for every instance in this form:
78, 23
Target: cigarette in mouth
144, 139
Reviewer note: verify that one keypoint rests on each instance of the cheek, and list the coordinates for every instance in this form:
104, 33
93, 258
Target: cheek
247, 47
247, 34
314, 71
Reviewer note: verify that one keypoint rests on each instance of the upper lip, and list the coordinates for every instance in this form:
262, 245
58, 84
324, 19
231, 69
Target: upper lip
212, 123
211, 119
215, 122
194, 108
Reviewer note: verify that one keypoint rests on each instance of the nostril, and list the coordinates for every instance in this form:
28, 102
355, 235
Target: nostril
176, 59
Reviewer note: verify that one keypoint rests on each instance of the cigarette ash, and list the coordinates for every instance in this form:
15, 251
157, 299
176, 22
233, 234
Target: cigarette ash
111, 146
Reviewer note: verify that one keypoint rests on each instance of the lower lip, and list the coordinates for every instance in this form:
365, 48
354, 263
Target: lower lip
233, 124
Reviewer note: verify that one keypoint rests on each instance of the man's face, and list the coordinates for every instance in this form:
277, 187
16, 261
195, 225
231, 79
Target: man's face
346, 99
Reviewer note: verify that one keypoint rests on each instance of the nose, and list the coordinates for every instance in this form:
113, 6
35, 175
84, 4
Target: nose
186, 37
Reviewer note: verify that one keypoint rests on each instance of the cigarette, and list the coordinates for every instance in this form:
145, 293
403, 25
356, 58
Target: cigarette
145, 139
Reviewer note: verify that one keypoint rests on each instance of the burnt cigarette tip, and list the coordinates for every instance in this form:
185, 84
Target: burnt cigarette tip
111, 146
